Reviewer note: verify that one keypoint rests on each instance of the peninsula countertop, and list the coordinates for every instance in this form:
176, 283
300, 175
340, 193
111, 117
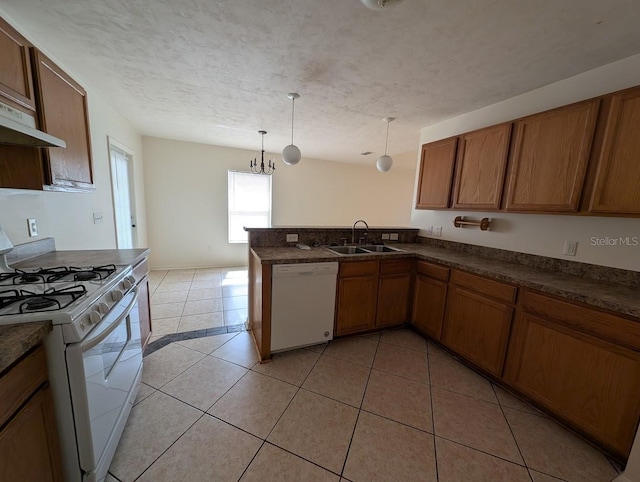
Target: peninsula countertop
618, 298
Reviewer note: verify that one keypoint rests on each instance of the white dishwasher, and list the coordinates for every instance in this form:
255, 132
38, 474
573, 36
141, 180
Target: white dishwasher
303, 298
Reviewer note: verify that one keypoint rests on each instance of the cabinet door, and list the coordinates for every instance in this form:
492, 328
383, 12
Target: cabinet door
16, 82
618, 167
356, 305
549, 158
144, 310
477, 328
591, 383
29, 443
428, 306
394, 292
436, 174
480, 168
63, 113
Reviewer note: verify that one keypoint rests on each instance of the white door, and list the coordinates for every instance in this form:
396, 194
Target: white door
122, 199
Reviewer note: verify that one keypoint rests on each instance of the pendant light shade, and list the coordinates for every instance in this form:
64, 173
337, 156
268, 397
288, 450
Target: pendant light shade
385, 162
291, 154
380, 4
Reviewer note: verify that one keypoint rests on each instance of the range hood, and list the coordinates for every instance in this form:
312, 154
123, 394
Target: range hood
19, 130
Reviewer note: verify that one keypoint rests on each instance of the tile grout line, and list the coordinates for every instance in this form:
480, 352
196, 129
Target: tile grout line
433, 415
172, 444
355, 425
511, 431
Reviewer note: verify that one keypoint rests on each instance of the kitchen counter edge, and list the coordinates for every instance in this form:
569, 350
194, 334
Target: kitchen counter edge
18, 339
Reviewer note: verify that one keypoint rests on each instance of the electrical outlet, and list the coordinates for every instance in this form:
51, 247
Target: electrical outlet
97, 218
292, 238
393, 236
385, 236
570, 248
33, 227
429, 230
437, 231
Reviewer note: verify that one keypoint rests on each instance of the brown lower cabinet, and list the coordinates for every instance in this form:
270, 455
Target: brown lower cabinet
478, 320
581, 364
373, 294
28, 439
394, 292
357, 297
429, 298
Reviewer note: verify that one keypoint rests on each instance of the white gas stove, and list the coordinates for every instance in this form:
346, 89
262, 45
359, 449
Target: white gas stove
77, 297
94, 352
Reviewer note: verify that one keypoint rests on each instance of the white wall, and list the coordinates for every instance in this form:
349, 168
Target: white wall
68, 217
186, 198
538, 234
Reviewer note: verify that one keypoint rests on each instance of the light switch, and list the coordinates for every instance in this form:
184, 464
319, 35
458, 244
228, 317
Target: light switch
292, 238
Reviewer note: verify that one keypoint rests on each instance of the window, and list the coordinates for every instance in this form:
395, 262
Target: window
249, 204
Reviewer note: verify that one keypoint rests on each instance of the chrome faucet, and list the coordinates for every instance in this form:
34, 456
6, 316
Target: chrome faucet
353, 231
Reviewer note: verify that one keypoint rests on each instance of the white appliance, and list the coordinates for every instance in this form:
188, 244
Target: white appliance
94, 353
303, 298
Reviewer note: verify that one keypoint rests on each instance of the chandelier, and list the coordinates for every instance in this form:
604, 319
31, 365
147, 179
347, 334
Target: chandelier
260, 169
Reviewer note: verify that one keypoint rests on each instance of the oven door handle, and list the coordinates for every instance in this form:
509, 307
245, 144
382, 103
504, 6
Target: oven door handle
89, 344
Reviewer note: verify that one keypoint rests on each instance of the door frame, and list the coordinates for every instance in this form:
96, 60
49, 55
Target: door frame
111, 143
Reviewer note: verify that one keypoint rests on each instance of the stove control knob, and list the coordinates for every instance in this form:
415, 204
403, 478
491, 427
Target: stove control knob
116, 295
127, 283
95, 317
103, 308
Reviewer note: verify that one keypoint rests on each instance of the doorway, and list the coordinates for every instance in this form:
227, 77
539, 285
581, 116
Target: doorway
121, 162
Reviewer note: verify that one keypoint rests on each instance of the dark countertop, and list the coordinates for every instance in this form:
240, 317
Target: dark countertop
90, 257
618, 298
16, 340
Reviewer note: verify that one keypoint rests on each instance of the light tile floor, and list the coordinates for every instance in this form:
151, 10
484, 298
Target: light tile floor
387, 407
196, 299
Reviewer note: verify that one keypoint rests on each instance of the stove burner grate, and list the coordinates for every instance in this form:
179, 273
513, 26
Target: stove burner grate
39, 303
86, 276
50, 300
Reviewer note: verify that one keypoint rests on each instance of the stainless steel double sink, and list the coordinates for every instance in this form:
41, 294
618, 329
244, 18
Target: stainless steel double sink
364, 249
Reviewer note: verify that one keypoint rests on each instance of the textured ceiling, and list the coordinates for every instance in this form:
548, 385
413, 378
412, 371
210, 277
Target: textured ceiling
217, 71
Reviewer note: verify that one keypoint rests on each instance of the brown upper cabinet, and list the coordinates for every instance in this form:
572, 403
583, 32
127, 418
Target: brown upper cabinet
16, 82
63, 113
480, 168
549, 158
617, 175
436, 173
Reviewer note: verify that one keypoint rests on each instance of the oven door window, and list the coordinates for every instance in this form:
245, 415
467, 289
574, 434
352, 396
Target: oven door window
106, 366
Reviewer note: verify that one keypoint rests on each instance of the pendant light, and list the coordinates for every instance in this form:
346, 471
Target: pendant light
380, 4
385, 162
253, 164
291, 154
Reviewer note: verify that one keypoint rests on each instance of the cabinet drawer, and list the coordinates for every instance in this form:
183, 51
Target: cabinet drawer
21, 381
433, 270
358, 268
587, 320
391, 266
141, 270
494, 289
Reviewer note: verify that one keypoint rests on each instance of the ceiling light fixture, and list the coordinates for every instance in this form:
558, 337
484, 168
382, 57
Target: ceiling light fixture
291, 154
253, 164
380, 4
385, 162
